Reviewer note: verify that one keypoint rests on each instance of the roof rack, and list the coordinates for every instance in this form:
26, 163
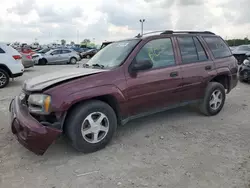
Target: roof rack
189, 32
164, 32
152, 32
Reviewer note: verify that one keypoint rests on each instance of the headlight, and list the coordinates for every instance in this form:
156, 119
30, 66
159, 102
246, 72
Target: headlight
39, 103
247, 63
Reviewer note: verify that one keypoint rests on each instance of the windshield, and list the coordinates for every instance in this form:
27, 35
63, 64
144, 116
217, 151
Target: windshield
44, 50
49, 52
114, 54
244, 48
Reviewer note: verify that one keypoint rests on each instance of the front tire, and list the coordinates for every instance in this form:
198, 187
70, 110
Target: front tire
4, 78
91, 126
213, 100
42, 62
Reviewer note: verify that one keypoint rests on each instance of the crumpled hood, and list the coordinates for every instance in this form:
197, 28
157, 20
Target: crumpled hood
41, 82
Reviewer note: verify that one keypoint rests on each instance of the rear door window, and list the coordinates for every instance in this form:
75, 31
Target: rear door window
191, 50
202, 56
66, 51
218, 47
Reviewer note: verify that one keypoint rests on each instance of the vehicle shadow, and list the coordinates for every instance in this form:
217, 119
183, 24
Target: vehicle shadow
29, 69
14, 83
157, 119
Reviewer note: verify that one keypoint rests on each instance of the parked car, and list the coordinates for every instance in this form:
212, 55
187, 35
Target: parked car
125, 80
232, 47
34, 45
240, 51
23, 45
244, 69
79, 50
89, 53
15, 45
27, 61
26, 50
10, 65
56, 56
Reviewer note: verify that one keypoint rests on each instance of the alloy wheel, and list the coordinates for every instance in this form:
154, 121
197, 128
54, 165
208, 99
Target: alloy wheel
73, 61
3, 79
216, 99
95, 127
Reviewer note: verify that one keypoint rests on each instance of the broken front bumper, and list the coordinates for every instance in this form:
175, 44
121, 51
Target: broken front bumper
30, 133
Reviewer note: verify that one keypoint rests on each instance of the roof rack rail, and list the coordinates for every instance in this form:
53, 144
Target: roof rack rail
169, 32
152, 32
189, 32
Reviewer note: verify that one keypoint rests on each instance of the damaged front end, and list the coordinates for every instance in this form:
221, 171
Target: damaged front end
33, 124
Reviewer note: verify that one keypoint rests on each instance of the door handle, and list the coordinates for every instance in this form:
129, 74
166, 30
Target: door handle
173, 74
208, 67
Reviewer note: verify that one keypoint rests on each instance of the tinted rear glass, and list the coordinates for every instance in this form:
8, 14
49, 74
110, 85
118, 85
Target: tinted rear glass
9, 49
218, 47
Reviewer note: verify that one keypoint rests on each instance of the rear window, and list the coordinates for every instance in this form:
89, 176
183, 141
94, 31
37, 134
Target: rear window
218, 47
9, 49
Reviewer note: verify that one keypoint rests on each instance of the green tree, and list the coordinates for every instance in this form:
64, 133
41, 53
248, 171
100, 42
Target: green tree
237, 42
63, 41
72, 42
92, 45
86, 41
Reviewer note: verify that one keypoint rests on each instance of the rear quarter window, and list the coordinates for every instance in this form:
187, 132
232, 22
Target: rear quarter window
218, 47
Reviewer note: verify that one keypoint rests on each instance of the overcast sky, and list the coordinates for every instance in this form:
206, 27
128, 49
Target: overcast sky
51, 20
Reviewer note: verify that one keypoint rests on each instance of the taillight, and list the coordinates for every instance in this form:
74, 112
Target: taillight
29, 56
17, 57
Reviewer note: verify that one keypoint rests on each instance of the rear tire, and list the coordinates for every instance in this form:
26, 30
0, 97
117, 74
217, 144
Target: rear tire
212, 104
72, 60
4, 78
77, 126
241, 79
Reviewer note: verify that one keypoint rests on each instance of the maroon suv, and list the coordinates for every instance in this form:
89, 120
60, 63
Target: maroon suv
125, 80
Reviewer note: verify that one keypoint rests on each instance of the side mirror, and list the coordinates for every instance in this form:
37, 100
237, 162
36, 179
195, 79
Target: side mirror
141, 65
51, 54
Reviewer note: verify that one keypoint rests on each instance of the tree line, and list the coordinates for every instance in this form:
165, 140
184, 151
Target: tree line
237, 42
85, 42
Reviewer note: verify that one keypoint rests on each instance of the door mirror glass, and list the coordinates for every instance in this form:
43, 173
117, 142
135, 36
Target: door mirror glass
142, 65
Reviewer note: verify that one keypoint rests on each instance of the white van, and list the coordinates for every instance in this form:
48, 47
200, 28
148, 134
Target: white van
10, 64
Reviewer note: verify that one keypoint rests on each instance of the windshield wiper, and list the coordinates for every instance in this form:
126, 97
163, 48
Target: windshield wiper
86, 65
98, 65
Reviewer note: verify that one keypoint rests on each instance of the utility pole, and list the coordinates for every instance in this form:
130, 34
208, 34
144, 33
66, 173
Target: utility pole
142, 21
